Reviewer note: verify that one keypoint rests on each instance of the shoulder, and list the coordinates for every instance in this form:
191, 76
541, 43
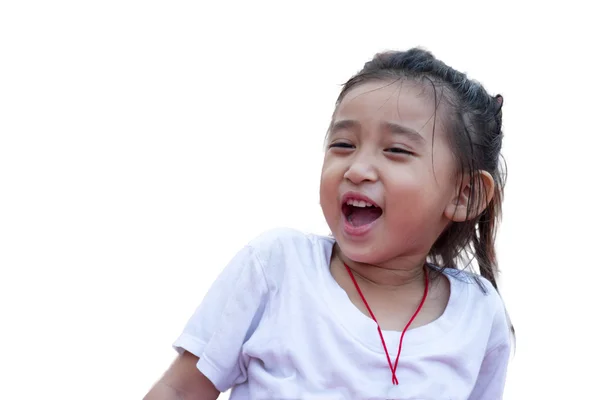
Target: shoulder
282, 248
484, 307
278, 239
481, 289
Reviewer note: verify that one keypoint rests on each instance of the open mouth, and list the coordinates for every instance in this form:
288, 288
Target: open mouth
360, 213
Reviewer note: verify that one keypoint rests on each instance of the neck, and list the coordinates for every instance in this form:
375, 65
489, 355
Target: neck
391, 275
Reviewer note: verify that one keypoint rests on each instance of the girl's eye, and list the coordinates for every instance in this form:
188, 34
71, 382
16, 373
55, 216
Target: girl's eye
399, 150
341, 145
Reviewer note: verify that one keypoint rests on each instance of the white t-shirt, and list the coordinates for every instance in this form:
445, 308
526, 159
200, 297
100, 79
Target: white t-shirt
276, 325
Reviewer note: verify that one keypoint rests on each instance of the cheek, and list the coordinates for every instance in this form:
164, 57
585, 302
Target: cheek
330, 173
329, 184
404, 183
417, 194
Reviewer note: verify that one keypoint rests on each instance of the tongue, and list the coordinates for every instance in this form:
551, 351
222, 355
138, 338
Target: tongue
363, 216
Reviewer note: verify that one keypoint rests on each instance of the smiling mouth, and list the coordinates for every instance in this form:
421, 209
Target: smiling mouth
360, 213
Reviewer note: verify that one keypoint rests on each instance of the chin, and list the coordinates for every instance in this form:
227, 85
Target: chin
364, 253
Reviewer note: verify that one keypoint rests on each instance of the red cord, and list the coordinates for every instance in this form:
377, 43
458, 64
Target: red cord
425, 292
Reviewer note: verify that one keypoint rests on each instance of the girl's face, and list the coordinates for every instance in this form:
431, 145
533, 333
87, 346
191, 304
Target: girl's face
381, 150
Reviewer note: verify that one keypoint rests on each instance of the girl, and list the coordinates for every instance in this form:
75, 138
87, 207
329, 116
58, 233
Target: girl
383, 309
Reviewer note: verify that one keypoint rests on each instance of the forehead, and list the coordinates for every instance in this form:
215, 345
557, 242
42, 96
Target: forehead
404, 102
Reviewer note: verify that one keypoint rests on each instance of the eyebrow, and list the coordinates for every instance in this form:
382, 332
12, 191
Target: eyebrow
404, 130
343, 124
389, 126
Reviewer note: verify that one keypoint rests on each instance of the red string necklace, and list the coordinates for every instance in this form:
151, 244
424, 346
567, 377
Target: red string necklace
392, 368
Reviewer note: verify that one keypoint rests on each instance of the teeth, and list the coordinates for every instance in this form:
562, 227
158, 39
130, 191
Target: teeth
358, 203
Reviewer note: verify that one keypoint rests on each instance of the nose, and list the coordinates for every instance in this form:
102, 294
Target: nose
360, 170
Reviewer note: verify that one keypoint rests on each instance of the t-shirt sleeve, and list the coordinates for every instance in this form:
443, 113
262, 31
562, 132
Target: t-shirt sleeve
225, 319
492, 375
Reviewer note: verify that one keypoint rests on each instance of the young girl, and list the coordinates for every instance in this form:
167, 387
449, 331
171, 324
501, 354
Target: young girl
382, 309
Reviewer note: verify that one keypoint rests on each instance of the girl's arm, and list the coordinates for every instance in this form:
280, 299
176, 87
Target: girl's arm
216, 332
183, 381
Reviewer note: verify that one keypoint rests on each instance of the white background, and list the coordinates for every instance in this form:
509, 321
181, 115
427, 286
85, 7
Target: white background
144, 142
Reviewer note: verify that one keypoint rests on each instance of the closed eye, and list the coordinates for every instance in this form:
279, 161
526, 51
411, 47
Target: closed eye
341, 145
399, 150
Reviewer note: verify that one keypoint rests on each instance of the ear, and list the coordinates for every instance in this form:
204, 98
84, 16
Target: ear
457, 210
